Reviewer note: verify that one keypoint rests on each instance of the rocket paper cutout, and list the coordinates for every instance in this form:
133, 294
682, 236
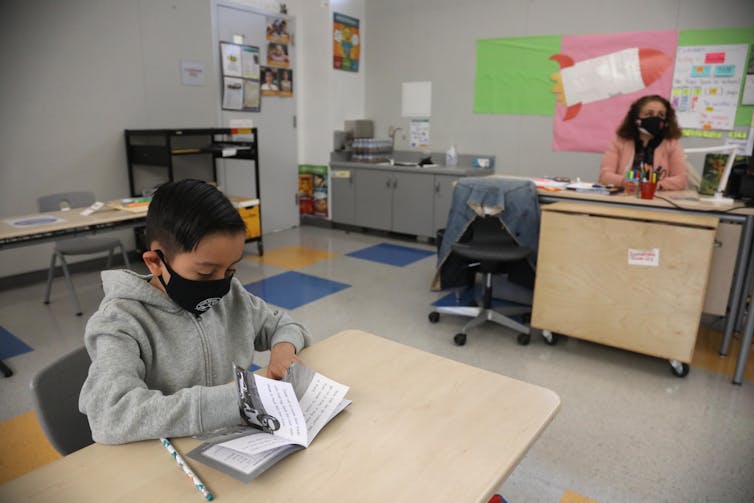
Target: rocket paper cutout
603, 77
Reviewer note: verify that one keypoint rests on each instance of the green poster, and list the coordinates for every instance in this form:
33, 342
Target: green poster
722, 37
513, 75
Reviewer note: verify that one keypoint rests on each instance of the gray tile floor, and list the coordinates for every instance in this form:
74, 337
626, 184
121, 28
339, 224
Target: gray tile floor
627, 431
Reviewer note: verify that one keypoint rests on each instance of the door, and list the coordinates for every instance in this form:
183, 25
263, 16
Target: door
278, 156
342, 194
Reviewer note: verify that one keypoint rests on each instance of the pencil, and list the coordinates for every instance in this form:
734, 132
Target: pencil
185, 467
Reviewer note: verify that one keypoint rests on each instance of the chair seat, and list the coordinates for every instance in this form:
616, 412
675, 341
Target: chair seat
491, 252
84, 246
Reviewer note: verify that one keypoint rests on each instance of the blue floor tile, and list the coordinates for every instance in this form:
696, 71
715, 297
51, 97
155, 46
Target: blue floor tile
294, 289
391, 254
10, 345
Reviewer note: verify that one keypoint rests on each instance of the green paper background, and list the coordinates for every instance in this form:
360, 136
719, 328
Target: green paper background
513, 75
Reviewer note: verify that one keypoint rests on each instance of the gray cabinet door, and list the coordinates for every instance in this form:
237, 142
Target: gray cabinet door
413, 194
373, 198
443, 200
342, 194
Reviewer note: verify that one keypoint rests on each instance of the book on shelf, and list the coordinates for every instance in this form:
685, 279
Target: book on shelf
712, 173
284, 417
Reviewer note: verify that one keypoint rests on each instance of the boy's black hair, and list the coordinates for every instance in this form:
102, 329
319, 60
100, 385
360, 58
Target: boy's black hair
181, 213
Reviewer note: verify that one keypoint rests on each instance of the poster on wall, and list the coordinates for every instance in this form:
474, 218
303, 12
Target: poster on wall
346, 42
285, 83
277, 54
312, 190
240, 77
277, 30
598, 79
419, 133
270, 81
706, 85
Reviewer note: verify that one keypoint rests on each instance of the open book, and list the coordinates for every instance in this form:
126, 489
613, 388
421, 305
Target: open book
285, 416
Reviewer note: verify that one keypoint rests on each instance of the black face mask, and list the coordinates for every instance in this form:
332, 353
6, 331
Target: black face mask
193, 296
655, 126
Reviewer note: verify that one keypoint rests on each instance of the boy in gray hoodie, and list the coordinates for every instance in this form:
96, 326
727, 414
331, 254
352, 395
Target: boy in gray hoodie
163, 345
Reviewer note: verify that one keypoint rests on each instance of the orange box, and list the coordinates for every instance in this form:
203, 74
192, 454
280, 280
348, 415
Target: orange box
250, 217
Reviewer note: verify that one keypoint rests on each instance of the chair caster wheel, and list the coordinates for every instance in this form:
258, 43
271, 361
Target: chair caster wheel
551, 338
434, 317
523, 339
459, 339
46, 302
679, 369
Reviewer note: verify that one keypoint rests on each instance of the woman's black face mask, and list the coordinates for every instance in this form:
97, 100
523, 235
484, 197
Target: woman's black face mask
193, 296
654, 126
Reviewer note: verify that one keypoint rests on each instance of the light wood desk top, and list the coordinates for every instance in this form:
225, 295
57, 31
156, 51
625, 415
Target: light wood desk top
420, 428
678, 199
72, 223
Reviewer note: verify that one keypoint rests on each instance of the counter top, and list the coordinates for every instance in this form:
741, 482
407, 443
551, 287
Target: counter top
439, 169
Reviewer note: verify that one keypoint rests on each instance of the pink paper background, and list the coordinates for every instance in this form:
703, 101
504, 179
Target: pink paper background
594, 127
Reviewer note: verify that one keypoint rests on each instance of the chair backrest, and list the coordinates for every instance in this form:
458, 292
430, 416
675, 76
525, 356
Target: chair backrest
487, 229
56, 389
62, 200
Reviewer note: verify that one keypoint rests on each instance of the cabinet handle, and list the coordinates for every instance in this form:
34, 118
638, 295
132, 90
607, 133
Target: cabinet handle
437, 188
388, 183
395, 182
718, 244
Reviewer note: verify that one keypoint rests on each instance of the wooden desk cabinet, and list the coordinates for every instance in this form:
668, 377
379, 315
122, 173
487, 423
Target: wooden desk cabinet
630, 278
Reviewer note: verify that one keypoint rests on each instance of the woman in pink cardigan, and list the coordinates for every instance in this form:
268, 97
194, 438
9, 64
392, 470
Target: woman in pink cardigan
649, 133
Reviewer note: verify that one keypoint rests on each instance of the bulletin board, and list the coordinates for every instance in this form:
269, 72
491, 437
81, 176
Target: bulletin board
240, 77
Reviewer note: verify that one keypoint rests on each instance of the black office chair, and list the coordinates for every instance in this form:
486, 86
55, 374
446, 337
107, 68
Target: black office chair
56, 389
488, 246
76, 245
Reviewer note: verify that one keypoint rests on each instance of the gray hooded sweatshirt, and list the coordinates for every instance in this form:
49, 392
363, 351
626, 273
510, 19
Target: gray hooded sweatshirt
159, 371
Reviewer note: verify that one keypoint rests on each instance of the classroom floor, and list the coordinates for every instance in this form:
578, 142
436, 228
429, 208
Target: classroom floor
628, 430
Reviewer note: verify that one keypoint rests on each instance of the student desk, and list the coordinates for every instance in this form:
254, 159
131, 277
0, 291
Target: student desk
682, 202
420, 428
73, 223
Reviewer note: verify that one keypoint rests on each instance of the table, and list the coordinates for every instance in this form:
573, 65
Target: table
73, 223
420, 428
683, 201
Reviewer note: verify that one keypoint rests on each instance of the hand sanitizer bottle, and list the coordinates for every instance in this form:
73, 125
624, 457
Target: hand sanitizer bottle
451, 156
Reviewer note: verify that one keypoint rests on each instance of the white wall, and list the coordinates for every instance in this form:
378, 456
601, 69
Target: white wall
328, 96
435, 40
75, 75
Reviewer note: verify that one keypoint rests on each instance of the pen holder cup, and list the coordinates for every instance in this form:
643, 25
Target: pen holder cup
647, 190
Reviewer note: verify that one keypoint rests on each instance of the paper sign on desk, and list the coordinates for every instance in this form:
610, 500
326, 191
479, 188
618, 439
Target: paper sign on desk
644, 257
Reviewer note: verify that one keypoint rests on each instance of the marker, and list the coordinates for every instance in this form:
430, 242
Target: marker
185, 467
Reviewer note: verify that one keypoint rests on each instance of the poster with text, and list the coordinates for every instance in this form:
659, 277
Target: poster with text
277, 54
240, 77
285, 82
346, 43
706, 85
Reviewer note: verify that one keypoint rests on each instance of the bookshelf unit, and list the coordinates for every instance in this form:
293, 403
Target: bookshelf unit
157, 156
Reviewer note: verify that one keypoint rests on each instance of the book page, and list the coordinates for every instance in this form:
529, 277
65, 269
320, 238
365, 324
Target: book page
319, 403
279, 401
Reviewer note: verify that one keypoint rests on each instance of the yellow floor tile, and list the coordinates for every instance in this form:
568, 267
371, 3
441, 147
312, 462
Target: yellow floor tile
707, 354
572, 497
25, 447
293, 257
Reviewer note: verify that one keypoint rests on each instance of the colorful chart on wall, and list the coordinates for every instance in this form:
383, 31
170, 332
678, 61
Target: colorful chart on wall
346, 42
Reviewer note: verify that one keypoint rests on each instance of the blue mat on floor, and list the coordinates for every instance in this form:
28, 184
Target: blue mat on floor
391, 254
10, 345
294, 289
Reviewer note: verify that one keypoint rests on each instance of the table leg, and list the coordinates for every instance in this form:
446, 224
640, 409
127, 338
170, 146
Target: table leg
7, 372
737, 297
743, 354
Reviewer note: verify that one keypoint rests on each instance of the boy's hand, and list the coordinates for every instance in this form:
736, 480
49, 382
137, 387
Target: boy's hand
281, 357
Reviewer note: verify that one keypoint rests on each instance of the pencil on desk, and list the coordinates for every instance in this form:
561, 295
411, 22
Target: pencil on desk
185, 467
